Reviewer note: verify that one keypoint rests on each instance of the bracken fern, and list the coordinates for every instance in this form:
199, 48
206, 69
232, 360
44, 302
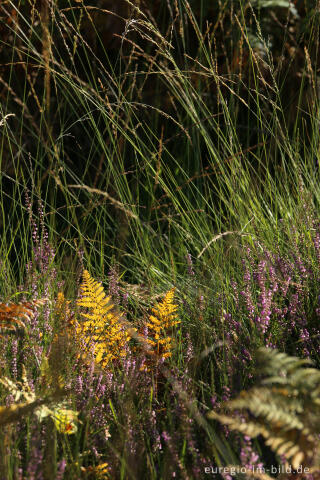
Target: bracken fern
12, 315
284, 409
102, 328
160, 325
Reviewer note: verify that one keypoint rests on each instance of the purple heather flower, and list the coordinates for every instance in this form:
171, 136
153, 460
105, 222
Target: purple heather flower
190, 264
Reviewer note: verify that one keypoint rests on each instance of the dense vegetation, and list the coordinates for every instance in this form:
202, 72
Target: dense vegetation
160, 239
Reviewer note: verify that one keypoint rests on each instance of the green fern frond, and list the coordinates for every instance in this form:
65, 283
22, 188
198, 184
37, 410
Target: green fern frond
285, 409
272, 362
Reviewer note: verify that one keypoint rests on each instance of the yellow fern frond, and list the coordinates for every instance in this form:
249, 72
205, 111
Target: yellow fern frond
100, 472
60, 302
62, 310
160, 325
101, 327
94, 299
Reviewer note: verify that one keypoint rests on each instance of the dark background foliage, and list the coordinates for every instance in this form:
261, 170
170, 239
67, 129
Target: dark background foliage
102, 25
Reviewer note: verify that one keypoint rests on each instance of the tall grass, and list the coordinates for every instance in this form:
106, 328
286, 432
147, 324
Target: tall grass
187, 158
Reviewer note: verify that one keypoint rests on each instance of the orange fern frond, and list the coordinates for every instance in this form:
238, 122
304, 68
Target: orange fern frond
12, 316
